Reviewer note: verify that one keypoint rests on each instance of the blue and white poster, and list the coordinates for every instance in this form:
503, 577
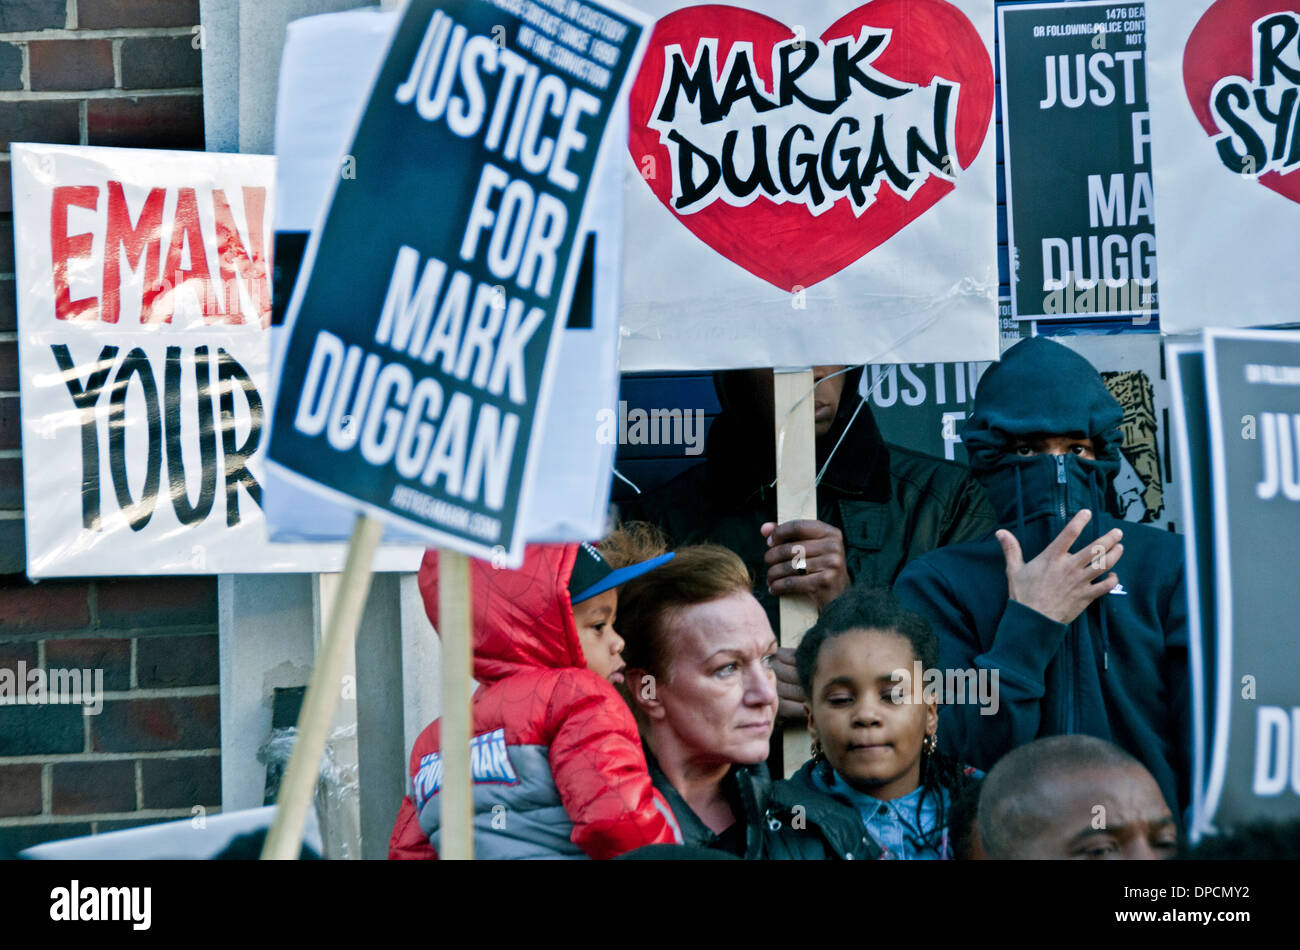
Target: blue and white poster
421, 332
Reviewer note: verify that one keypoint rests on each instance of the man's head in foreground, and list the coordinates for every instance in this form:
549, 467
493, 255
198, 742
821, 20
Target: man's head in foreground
1074, 797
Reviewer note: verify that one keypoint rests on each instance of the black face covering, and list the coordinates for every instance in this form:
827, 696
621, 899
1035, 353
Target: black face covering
1040, 387
1036, 496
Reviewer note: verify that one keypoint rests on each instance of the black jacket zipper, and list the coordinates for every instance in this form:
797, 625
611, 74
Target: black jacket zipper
1060, 490
1071, 635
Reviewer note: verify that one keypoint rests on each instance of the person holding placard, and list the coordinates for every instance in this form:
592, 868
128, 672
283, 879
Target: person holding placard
878, 505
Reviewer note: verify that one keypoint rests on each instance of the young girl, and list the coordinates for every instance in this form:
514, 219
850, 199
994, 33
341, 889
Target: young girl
874, 729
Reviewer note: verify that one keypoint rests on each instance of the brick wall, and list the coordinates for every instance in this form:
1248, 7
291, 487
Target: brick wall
153, 751
123, 73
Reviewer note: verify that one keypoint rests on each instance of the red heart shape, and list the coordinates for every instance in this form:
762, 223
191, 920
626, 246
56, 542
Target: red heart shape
1221, 45
786, 244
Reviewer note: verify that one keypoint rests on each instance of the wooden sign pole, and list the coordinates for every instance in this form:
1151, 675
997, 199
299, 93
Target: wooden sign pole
454, 632
796, 498
298, 787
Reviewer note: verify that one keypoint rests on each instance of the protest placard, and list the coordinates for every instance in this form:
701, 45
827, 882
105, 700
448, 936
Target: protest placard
144, 301
421, 334
811, 183
325, 73
1252, 384
1186, 362
922, 406
1077, 131
1225, 129
486, 118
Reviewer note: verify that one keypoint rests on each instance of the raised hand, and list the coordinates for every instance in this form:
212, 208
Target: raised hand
1058, 584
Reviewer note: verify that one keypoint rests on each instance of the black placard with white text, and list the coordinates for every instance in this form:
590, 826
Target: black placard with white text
1076, 127
420, 329
1253, 399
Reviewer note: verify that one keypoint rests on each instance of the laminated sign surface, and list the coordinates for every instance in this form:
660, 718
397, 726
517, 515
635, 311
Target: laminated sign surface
421, 332
1077, 132
325, 74
1252, 763
1192, 431
1225, 138
144, 301
812, 183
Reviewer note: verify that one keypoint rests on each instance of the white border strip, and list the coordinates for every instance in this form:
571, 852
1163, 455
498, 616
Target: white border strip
1173, 352
1223, 580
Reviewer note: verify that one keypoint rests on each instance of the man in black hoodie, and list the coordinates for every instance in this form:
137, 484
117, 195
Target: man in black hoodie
878, 505
1085, 634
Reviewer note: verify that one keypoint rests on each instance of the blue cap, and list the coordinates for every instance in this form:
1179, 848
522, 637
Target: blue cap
592, 574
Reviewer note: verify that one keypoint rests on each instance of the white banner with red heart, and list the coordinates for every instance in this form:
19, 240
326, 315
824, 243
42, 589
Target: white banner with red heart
812, 183
1224, 87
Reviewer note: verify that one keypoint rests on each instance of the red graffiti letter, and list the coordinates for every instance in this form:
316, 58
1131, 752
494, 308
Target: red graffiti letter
142, 240
65, 247
185, 231
233, 255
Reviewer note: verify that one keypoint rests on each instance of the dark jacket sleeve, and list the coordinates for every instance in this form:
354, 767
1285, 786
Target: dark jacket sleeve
814, 826
970, 515
1023, 645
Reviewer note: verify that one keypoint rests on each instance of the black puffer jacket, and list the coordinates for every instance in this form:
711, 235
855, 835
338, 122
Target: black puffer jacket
892, 504
777, 820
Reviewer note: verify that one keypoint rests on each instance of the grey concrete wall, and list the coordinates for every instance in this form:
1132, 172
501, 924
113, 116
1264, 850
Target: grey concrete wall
265, 640
243, 40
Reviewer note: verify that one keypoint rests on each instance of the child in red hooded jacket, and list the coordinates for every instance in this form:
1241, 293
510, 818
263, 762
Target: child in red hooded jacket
556, 760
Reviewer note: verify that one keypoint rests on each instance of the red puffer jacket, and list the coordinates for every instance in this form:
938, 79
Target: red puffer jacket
557, 764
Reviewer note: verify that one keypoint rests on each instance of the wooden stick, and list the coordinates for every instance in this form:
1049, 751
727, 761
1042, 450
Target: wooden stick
796, 498
455, 632
298, 787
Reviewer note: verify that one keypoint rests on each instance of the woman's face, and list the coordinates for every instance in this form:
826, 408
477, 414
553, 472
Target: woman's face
868, 714
719, 697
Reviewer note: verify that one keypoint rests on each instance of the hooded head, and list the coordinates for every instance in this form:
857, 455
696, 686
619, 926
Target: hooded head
1039, 388
524, 619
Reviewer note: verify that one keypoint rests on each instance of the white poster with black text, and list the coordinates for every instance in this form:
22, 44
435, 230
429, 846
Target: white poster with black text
811, 183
